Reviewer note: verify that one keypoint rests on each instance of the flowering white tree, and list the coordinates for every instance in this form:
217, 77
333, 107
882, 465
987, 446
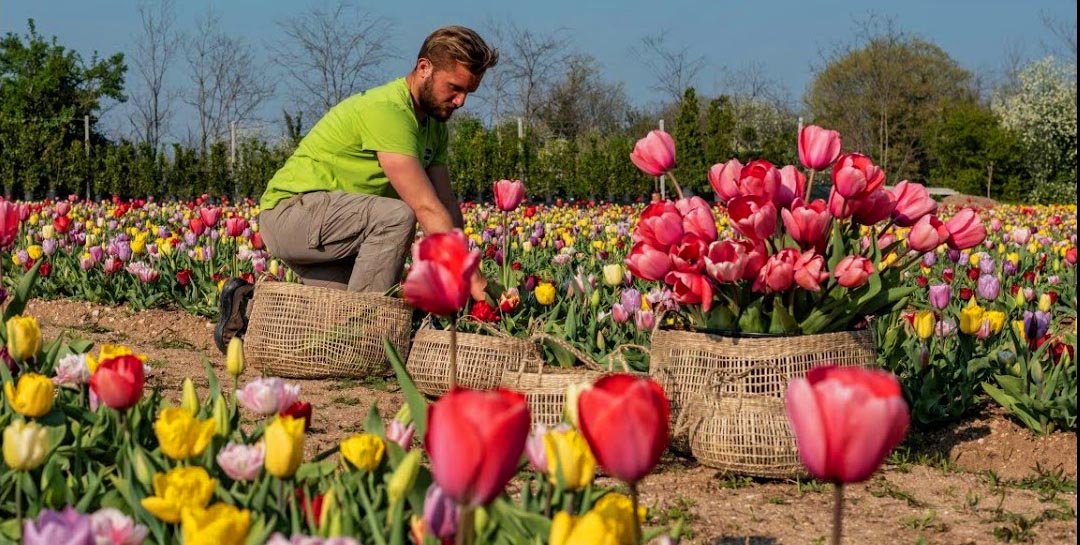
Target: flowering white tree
1042, 112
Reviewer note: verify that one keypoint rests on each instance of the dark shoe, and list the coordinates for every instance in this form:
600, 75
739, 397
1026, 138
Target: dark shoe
232, 311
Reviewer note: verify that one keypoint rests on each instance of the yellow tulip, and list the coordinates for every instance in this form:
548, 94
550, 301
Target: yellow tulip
181, 488
32, 397
180, 435
1045, 303
974, 259
570, 407
363, 450
221, 417
15, 259
613, 275
108, 352
971, 317
1018, 328
996, 318
568, 456
48, 231
234, 357
189, 398
609, 522
924, 324
221, 524
34, 252
544, 293
25, 445
23, 337
284, 446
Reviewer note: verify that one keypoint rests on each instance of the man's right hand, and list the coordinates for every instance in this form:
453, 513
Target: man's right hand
478, 285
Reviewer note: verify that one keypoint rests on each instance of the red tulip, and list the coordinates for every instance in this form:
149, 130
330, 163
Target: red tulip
792, 186
846, 420
509, 194
874, 207
966, 294
759, 178
807, 224
778, 273
257, 241
648, 263
441, 273
855, 175
810, 271
913, 202
660, 225
927, 234
314, 516
753, 217
973, 273
818, 147
853, 271
9, 224
726, 260
756, 254
210, 216
118, 382
234, 226
197, 226
61, 224
654, 154
966, 230
475, 440
183, 277
689, 254
625, 420
691, 288
1070, 256
723, 179
697, 218
299, 409
947, 275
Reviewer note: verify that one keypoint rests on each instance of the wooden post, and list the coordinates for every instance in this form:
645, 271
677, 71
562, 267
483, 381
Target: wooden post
663, 192
989, 177
86, 151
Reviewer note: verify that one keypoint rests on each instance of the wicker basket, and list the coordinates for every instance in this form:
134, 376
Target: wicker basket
481, 359
727, 392
299, 331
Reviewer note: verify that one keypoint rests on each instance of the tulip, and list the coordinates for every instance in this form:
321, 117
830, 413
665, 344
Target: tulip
874, 207
301, 410
23, 337
940, 294
810, 271
611, 521
441, 273
927, 234
989, 287
660, 225
619, 314
475, 439
753, 217
1046, 303
625, 420
691, 288
654, 154
25, 445
845, 420
840, 207
404, 477
971, 317
545, 292
1035, 324
995, 319
33, 397
807, 224
855, 175
924, 324
726, 261
110, 526
778, 273
723, 179
913, 202
235, 226
9, 224
234, 357
966, 230
71, 370
241, 462
180, 489
688, 256
760, 179
792, 186
210, 216
818, 147
853, 271
697, 218
189, 398
570, 463
1021, 236
67, 527
536, 449
613, 275
284, 446
118, 381
221, 524
268, 395
180, 435
440, 513
364, 451
646, 262
509, 194
400, 433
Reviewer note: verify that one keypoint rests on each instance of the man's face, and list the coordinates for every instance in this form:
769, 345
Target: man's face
445, 90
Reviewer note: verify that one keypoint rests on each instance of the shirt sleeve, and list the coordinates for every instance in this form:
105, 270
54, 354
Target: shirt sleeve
385, 127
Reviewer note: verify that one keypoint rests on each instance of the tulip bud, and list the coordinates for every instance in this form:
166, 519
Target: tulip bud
404, 477
25, 445
1045, 304
273, 268
1006, 357
480, 520
23, 337
234, 358
189, 399
570, 409
1036, 370
222, 420
1019, 298
330, 511
404, 414
924, 357
613, 275
141, 467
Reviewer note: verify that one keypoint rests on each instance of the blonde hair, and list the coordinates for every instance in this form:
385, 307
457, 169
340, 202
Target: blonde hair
458, 44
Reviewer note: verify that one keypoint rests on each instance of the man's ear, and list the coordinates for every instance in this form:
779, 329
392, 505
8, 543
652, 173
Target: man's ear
424, 68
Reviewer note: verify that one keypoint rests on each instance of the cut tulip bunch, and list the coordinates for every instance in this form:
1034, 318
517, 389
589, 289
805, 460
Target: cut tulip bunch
797, 265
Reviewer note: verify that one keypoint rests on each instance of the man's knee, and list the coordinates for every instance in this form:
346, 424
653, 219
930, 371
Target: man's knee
399, 216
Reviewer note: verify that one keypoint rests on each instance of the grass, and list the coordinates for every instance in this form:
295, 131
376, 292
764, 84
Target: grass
345, 400
679, 509
92, 328
904, 457
926, 521
1048, 483
173, 343
732, 481
880, 487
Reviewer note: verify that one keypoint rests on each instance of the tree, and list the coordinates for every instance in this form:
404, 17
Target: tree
329, 54
690, 169
581, 101
719, 130
673, 71
155, 50
883, 94
969, 147
528, 62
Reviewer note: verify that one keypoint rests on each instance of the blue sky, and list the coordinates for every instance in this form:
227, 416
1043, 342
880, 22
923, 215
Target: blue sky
784, 39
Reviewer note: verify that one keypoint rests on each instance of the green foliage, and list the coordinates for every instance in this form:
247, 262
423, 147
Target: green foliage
690, 158
719, 131
968, 145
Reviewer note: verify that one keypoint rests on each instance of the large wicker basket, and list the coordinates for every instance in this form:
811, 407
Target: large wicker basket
727, 392
299, 331
481, 359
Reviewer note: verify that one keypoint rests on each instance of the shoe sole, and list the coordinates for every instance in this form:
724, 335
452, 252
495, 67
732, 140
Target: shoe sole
225, 306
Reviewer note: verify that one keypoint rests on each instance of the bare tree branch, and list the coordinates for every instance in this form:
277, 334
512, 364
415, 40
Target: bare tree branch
531, 61
672, 70
1064, 31
155, 49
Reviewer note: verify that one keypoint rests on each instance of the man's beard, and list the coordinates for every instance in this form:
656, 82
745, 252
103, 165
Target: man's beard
429, 105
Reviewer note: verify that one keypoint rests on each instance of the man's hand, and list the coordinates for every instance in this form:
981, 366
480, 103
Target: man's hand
477, 286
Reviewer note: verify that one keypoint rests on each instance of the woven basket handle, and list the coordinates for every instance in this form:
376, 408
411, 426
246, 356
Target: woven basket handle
484, 326
581, 356
620, 353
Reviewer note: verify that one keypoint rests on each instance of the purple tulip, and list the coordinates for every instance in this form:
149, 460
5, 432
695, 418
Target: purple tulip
97, 253
940, 295
440, 513
986, 264
1036, 324
48, 246
1008, 268
989, 287
953, 255
401, 434
945, 327
631, 299
929, 259
67, 527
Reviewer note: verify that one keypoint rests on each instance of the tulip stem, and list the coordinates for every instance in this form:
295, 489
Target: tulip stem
452, 379
634, 511
809, 185
838, 512
678, 190
465, 527
506, 251
18, 501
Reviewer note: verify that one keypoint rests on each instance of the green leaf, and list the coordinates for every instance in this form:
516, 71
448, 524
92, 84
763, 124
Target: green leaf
211, 378
22, 292
417, 403
374, 423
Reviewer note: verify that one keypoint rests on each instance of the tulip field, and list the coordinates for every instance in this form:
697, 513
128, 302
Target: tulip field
122, 424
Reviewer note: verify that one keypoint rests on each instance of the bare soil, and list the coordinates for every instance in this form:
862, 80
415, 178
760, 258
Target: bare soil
982, 480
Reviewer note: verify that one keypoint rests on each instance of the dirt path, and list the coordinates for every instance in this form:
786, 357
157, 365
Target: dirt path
985, 480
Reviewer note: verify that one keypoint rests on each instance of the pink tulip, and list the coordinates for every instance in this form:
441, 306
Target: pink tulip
840, 207
927, 234
112, 527
241, 462
660, 225
619, 313
723, 177
753, 217
792, 186
966, 230
475, 439
654, 154
401, 434
266, 396
855, 175
756, 254
509, 194
913, 202
778, 273
876, 206
726, 260
210, 216
818, 147
9, 224
62, 208
1021, 236
697, 218
535, 450
853, 271
846, 420
441, 273
759, 178
688, 256
691, 288
807, 224
810, 271
234, 226
648, 263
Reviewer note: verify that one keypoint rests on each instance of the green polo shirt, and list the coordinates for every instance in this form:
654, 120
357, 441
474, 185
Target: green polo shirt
338, 153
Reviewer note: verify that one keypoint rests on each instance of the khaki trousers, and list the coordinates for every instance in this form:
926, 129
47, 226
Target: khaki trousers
341, 240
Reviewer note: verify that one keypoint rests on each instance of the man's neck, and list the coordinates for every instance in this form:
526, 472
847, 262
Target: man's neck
414, 92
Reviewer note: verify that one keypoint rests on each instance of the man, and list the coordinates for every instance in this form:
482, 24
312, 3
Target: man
342, 211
